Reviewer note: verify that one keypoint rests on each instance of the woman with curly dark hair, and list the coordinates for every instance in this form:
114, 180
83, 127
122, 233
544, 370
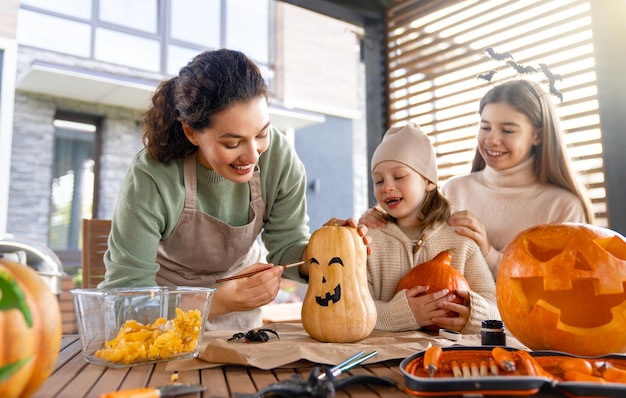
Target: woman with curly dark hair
213, 176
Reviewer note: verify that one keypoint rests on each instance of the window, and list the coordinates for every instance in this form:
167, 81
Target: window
60, 34
136, 14
152, 35
127, 49
436, 51
72, 8
201, 26
254, 38
73, 176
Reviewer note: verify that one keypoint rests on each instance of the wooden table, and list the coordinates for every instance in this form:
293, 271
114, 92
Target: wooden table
73, 377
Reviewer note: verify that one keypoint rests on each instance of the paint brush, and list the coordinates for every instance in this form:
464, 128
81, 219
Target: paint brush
247, 274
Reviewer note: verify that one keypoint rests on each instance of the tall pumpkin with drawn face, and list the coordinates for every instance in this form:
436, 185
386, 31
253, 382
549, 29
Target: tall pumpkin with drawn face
338, 307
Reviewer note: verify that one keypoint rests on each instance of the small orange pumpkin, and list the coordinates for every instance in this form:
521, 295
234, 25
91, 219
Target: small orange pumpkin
30, 330
337, 306
562, 287
438, 274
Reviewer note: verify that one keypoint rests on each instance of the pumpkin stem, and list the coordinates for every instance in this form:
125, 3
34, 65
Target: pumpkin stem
12, 297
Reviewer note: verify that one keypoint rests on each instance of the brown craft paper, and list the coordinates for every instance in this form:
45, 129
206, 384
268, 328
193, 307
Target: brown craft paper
295, 345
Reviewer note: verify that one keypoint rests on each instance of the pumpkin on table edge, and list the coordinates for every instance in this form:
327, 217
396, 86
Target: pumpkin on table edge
436, 273
338, 306
30, 330
562, 287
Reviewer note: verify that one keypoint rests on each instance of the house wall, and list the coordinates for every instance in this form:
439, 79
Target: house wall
8, 18
307, 79
317, 62
33, 151
318, 68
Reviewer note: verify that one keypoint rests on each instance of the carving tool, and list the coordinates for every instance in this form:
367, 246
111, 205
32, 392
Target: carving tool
484, 369
432, 356
456, 369
247, 274
474, 369
493, 367
467, 373
348, 364
170, 390
504, 358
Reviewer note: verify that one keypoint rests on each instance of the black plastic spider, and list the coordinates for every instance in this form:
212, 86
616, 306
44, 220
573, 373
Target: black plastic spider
255, 335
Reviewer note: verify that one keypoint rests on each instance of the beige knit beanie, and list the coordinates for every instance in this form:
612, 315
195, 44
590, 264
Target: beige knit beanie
408, 145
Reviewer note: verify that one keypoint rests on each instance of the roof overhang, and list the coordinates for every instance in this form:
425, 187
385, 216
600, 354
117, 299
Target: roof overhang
120, 91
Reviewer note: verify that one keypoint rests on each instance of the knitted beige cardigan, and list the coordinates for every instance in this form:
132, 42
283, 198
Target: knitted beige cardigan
392, 257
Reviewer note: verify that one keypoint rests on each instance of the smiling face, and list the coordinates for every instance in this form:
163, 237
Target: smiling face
506, 136
235, 140
332, 278
400, 191
338, 306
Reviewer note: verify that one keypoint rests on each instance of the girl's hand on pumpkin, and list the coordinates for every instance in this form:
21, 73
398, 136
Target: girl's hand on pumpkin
471, 227
360, 228
247, 293
456, 323
372, 218
425, 306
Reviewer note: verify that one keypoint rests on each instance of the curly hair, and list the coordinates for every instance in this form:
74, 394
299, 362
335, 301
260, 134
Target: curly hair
212, 82
551, 163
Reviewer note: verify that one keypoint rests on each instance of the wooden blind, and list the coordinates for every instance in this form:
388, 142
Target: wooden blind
435, 52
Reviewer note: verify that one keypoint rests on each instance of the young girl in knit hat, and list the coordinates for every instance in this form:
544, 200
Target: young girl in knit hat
404, 174
521, 174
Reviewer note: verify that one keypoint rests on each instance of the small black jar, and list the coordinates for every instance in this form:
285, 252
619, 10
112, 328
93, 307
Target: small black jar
492, 333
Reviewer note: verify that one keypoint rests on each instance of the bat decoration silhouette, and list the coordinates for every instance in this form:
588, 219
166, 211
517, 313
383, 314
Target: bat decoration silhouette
487, 76
555, 92
521, 69
498, 56
552, 78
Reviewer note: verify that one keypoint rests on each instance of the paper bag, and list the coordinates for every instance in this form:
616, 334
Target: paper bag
295, 345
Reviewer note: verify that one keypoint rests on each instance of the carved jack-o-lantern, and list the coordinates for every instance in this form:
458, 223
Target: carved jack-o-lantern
562, 287
338, 306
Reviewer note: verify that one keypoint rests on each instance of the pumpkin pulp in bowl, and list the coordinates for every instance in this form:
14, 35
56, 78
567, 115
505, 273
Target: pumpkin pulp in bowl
133, 326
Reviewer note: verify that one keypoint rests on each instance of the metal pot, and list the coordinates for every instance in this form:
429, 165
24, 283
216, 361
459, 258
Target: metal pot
35, 255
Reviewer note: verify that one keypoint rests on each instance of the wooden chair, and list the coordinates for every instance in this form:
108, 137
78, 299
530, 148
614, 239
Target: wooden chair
95, 235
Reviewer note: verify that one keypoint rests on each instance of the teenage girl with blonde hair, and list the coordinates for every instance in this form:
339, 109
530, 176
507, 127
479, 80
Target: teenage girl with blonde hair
521, 175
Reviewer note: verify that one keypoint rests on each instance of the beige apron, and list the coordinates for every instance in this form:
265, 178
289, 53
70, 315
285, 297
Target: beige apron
202, 248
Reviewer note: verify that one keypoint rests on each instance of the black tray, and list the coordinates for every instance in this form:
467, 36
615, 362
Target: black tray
486, 385
519, 384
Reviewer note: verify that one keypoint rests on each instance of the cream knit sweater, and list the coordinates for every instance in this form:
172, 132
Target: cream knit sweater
392, 257
509, 201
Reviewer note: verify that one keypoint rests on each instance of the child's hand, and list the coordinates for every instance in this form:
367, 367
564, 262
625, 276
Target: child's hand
372, 218
426, 307
456, 323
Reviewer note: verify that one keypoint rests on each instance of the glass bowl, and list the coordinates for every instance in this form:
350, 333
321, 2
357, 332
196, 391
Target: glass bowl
125, 327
